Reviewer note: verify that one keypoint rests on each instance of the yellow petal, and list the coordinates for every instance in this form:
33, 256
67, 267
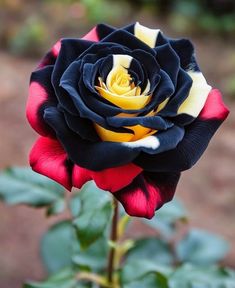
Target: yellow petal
107, 135
139, 131
128, 103
120, 90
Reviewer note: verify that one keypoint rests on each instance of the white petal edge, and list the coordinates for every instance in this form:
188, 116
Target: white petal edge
150, 142
145, 34
198, 93
122, 60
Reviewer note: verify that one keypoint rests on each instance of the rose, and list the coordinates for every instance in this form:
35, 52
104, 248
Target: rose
128, 108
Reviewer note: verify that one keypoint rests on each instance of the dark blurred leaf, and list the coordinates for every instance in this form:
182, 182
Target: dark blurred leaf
93, 258
94, 216
137, 269
56, 207
58, 246
189, 276
20, 185
201, 247
150, 248
151, 280
166, 218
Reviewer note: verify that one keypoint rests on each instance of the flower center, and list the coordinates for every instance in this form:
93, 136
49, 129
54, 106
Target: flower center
120, 89
118, 83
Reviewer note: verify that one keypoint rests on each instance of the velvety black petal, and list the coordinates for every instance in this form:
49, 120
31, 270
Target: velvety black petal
153, 122
102, 49
128, 40
81, 98
69, 52
82, 126
186, 154
150, 65
184, 83
159, 142
164, 90
104, 30
93, 156
168, 61
185, 50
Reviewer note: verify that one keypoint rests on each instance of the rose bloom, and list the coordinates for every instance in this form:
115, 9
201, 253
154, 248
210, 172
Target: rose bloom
128, 108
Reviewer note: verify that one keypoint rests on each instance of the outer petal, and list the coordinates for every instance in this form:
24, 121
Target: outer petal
148, 192
50, 57
92, 35
196, 139
47, 157
112, 179
214, 107
41, 96
70, 50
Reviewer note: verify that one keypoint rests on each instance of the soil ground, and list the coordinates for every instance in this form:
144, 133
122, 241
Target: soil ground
208, 189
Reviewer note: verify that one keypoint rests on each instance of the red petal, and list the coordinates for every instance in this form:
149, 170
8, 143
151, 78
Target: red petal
214, 107
56, 48
48, 158
37, 96
50, 57
92, 35
147, 193
112, 179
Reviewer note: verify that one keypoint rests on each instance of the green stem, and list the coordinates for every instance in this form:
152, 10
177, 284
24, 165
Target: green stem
113, 239
93, 278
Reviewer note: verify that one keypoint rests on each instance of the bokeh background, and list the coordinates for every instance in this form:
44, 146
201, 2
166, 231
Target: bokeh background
27, 30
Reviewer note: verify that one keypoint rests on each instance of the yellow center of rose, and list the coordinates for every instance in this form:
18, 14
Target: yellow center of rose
120, 89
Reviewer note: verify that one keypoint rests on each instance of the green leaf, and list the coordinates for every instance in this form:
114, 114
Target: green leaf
150, 280
93, 258
63, 279
137, 269
58, 245
20, 185
201, 247
56, 207
94, 216
165, 219
75, 204
189, 276
151, 248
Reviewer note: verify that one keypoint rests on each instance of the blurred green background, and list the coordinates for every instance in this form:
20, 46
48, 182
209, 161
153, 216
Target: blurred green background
28, 28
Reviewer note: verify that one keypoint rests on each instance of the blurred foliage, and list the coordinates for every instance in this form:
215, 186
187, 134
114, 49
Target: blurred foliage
74, 251
230, 86
208, 16
28, 27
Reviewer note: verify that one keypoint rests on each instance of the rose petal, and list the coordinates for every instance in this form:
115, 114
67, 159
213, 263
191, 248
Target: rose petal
196, 139
48, 158
145, 34
50, 57
41, 96
148, 192
214, 107
112, 179
92, 35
